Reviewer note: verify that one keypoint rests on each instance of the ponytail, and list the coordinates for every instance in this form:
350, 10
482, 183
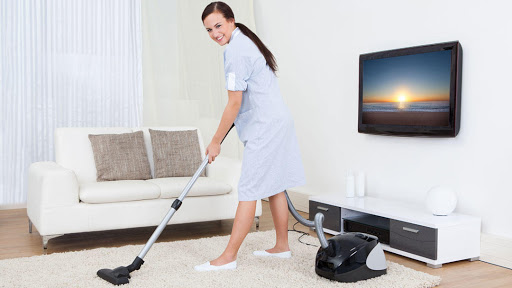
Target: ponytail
269, 57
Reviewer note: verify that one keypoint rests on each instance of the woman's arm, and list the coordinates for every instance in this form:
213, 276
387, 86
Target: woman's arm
228, 118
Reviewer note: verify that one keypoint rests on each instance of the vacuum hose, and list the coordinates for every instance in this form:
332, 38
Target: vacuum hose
317, 223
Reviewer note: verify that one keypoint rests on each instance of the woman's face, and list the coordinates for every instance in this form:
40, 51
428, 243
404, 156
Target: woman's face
219, 28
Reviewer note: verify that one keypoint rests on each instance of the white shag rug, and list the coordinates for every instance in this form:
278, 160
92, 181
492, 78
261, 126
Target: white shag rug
171, 265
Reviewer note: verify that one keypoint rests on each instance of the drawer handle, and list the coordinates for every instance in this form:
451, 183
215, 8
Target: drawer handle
322, 208
411, 230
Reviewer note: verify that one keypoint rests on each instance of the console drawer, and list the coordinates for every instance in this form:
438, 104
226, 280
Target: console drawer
415, 239
332, 215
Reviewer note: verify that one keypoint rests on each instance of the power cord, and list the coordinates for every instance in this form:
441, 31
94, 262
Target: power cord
303, 234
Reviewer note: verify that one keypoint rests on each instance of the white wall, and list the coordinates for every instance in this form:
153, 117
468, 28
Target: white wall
317, 45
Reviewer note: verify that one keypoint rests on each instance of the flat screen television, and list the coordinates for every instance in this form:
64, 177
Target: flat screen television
411, 91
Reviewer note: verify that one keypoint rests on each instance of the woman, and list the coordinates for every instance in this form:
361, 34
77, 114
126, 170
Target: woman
271, 161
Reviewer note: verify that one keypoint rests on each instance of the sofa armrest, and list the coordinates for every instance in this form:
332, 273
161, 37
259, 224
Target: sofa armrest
227, 170
50, 185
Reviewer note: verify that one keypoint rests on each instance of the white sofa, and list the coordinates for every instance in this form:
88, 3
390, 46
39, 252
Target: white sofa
64, 196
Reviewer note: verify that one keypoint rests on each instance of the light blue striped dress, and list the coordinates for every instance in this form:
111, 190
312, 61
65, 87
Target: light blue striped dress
271, 160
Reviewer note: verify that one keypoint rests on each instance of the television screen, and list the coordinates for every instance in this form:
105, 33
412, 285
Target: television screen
411, 91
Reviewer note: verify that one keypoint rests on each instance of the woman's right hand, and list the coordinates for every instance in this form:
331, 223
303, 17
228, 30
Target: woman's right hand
213, 150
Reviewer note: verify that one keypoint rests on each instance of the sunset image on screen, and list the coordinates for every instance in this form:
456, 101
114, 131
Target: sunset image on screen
407, 90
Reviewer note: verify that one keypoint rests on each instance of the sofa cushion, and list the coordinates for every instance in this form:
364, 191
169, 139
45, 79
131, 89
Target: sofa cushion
175, 153
204, 186
120, 156
149, 146
73, 149
118, 191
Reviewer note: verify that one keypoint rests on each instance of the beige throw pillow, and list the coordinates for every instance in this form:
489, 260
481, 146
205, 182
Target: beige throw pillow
175, 153
120, 156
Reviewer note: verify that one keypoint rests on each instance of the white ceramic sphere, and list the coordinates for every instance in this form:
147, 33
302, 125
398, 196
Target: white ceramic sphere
441, 200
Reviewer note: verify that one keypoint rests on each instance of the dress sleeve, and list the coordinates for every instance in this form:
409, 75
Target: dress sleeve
237, 70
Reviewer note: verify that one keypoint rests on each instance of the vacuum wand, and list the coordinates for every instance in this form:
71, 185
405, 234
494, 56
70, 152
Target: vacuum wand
120, 275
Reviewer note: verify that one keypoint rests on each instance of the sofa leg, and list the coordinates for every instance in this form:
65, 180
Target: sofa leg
47, 238
257, 220
29, 226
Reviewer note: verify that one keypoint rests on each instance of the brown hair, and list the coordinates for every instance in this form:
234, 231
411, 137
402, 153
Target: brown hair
226, 11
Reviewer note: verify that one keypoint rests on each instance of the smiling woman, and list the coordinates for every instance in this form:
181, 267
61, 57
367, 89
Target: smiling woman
271, 158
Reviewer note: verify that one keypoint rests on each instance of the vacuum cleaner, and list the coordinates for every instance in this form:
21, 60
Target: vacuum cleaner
348, 257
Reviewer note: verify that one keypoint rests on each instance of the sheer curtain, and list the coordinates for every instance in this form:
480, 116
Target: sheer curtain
63, 63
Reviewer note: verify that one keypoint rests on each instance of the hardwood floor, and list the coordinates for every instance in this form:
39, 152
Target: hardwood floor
15, 241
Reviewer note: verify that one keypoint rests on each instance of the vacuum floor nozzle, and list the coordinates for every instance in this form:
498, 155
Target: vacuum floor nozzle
117, 276
120, 275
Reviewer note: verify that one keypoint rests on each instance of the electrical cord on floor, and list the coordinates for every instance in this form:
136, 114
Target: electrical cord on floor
303, 234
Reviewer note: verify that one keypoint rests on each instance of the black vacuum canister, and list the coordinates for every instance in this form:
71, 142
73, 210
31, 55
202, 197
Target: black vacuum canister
351, 257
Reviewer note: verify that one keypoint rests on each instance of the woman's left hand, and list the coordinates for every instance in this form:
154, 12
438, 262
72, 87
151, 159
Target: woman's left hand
213, 150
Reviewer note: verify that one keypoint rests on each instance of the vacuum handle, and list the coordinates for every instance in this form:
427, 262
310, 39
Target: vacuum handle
227, 133
205, 161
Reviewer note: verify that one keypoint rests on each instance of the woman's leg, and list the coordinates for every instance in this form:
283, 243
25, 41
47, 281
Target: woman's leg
244, 218
279, 209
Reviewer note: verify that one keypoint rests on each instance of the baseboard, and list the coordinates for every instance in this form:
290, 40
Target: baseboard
496, 250
13, 206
